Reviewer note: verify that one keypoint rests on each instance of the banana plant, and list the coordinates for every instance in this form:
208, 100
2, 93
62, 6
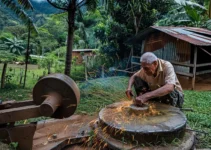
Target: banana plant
15, 46
185, 13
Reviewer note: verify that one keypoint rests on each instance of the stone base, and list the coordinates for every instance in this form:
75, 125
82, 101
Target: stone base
185, 143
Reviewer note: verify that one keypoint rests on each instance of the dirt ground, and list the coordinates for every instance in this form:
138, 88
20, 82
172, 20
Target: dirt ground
203, 82
64, 130
30, 66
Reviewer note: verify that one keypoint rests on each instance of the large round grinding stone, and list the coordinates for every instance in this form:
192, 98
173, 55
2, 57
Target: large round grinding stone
62, 85
159, 122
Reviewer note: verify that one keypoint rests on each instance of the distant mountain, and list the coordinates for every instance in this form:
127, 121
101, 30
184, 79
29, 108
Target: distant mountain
42, 6
7, 17
41, 9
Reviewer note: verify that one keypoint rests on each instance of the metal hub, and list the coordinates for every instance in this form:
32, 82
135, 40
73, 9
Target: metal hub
151, 123
138, 110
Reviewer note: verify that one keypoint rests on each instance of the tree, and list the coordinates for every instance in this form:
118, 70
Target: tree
72, 7
5, 57
19, 8
125, 20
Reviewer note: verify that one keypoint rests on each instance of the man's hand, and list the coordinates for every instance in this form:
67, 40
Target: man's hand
142, 99
129, 94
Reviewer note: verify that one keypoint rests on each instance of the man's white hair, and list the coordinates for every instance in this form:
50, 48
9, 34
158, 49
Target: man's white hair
148, 57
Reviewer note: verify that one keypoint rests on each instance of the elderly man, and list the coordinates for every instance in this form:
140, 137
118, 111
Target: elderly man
156, 81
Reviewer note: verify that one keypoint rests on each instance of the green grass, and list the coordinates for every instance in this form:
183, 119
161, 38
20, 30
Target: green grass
200, 119
34, 73
96, 94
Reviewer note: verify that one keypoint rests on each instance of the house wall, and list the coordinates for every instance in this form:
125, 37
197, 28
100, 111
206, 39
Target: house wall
169, 48
79, 57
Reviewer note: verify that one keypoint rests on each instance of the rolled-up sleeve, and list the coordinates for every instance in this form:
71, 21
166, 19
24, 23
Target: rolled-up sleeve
140, 74
169, 74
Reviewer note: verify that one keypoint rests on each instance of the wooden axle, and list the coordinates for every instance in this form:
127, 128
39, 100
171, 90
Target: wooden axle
50, 104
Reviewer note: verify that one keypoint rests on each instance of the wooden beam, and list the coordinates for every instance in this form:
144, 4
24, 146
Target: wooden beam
154, 42
205, 51
131, 67
124, 71
20, 113
15, 104
181, 64
185, 74
136, 63
137, 57
203, 65
203, 72
194, 67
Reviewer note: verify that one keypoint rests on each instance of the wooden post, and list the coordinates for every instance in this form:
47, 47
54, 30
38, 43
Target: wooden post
102, 73
21, 76
194, 67
142, 47
27, 53
3, 75
132, 59
85, 68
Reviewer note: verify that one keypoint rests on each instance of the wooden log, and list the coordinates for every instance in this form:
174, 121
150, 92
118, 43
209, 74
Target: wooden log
20, 113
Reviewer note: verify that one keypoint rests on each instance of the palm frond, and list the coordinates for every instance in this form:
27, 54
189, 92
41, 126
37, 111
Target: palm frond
208, 24
26, 4
19, 11
194, 5
89, 4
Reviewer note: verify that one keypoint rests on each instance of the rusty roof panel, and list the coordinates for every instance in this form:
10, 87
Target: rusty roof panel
191, 35
199, 30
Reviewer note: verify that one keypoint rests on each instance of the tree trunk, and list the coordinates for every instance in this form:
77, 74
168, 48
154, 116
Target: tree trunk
49, 68
27, 53
3, 75
70, 39
210, 9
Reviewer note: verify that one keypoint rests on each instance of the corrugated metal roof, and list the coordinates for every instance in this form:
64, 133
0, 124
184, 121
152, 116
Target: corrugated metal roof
194, 36
199, 30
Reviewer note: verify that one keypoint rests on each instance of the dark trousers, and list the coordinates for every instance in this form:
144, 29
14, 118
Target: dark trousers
175, 98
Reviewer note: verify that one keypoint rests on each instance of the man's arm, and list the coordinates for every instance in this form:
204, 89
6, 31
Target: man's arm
129, 88
131, 82
164, 90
